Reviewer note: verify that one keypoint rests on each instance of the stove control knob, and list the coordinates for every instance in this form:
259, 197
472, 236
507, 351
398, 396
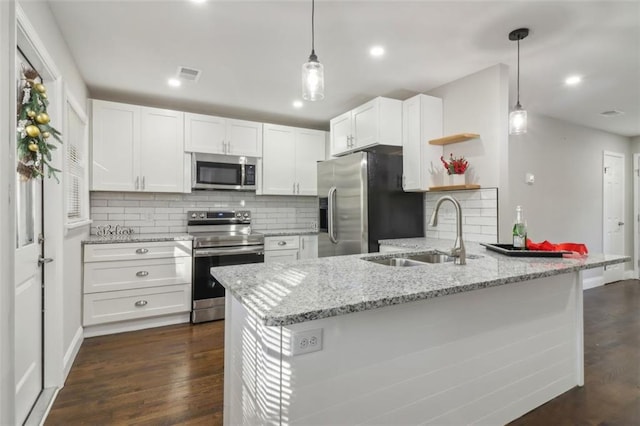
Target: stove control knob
202, 215
246, 215
193, 215
238, 214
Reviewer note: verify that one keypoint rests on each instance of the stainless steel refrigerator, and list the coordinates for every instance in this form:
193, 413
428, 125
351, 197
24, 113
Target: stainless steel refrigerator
361, 201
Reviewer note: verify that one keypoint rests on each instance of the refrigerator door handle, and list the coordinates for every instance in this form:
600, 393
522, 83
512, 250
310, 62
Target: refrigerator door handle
331, 215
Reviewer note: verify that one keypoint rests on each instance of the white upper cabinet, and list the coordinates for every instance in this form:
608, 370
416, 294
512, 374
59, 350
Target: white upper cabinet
289, 161
137, 148
421, 122
217, 135
378, 122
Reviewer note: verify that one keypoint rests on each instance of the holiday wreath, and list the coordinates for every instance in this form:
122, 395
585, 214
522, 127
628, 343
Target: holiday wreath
34, 130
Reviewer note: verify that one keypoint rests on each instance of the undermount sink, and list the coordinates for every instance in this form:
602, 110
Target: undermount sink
419, 259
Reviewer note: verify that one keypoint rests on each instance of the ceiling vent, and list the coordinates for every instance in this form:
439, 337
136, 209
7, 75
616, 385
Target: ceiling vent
188, 74
611, 113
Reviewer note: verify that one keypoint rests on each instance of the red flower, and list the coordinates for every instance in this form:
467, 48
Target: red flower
455, 166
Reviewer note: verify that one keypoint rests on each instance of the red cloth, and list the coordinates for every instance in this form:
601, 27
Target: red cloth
547, 246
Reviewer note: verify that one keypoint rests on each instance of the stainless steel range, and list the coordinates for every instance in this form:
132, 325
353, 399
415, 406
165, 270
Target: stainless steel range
220, 238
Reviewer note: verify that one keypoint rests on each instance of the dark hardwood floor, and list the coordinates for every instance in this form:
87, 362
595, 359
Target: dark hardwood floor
174, 375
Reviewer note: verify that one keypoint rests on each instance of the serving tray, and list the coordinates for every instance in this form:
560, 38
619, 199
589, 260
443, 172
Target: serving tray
509, 250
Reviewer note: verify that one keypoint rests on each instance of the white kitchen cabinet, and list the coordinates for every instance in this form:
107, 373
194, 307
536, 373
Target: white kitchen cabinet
378, 122
308, 247
137, 148
217, 135
289, 161
289, 248
281, 249
128, 282
421, 122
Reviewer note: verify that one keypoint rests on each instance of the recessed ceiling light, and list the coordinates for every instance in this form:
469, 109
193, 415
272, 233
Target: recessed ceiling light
573, 80
174, 82
376, 51
297, 104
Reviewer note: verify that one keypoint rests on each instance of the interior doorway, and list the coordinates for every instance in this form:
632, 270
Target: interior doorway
613, 212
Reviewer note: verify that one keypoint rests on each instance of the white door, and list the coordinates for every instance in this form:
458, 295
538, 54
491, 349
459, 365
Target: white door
278, 155
28, 296
310, 148
365, 124
244, 138
161, 150
613, 212
115, 144
204, 133
341, 133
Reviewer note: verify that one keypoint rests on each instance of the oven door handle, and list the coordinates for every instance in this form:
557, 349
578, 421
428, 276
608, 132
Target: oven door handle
228, 251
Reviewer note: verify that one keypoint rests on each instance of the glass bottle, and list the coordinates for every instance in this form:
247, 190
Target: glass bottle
519, 231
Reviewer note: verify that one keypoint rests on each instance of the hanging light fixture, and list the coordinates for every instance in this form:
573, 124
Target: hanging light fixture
312, 71
518, 117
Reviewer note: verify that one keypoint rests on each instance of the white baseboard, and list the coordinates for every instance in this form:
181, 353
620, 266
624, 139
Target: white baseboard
592, 282
133, 325
72, 352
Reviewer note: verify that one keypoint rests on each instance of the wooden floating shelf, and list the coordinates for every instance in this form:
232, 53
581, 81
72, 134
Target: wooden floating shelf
454, 187
460, 137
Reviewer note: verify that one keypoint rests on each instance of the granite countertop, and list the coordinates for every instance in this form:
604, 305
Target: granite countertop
138, 238
283, 232
288, 293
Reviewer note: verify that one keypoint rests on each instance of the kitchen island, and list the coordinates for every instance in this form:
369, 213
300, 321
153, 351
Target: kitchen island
438, 343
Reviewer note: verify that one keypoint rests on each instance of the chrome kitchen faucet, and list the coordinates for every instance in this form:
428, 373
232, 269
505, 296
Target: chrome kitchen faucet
458, 251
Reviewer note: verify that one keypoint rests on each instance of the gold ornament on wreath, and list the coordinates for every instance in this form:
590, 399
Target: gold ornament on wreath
34, 151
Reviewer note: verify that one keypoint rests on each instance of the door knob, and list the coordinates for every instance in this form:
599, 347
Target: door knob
43, 260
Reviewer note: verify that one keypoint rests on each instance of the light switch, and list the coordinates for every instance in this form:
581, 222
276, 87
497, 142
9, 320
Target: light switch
529, 178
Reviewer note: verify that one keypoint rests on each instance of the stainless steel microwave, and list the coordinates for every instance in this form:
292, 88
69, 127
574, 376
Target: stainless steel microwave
212, 171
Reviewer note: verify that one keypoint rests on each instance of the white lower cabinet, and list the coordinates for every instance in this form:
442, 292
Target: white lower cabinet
133, 281
308, 247
290, 247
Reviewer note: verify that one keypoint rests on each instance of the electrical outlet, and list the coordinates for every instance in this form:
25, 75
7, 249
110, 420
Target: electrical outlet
303, 342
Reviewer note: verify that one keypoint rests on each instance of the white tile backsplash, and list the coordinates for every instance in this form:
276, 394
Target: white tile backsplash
157, 213
479, 215
150, 213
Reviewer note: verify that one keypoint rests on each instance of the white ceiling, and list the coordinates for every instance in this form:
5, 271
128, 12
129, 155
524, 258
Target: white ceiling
251, 53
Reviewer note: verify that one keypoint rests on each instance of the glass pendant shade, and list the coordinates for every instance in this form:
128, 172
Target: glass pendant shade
312, 80
518, 121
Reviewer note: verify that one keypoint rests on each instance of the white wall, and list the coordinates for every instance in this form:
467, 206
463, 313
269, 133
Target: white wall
7, 207
63, 276
479, 103
635, 144
565, 202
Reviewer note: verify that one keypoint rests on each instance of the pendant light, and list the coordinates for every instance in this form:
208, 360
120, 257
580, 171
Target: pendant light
312, 71
518, 117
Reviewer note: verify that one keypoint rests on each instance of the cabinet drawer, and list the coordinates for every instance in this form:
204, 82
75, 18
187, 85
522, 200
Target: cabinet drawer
274, 256
127, 275
282, 243
130, 251
123, 305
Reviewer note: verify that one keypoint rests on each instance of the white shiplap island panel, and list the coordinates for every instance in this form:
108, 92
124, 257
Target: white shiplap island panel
485, 356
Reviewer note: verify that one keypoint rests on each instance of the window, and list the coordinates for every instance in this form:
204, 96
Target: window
75, 145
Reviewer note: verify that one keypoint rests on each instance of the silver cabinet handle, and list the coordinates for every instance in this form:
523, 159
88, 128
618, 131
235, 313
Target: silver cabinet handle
282, 243
137, 182
620, 223
43, 260
141, 303
142, 273
302, 242
142, 251
143, 182
298, 187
